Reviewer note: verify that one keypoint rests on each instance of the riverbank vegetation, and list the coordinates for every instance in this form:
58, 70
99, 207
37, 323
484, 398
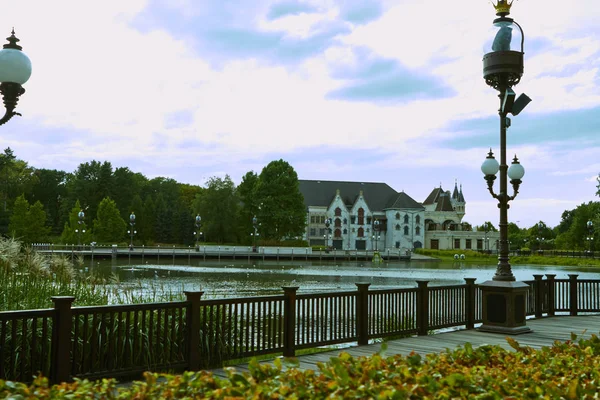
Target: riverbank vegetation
569, 370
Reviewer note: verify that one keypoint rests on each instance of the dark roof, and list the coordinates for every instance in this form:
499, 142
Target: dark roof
321, 193
455, 194
460, 195
404, 201
444, 203
433, 196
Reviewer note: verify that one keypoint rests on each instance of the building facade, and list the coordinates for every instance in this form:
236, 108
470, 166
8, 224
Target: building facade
373, 216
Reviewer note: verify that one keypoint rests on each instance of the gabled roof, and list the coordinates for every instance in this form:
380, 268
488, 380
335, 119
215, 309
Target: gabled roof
444, 203
321, 193
402, 200
433, 196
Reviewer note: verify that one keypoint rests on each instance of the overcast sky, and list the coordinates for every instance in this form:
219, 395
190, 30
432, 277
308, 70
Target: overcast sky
365, 90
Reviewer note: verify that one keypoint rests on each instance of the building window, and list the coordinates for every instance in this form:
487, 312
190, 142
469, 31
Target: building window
406, 218
338, 212
338, 222
368, 220
397, 227
418, 230
361, 232
322, 231
479, 244
313, 232
353, 219
322, 221
457, 243
406, 230
345, 231
397, 215
468, 244
397, 245
345, 221
313, 219
353, 230
361, 216
368, 230
418, 219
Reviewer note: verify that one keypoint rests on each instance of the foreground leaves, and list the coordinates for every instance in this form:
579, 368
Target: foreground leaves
569, 370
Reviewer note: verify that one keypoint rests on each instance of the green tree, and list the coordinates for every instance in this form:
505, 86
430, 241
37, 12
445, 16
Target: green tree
51, 191
28, 223
249, 208
147, 222
490, 227
109, 227
277, 193
90, 184
127, 185
73, 231
218, 206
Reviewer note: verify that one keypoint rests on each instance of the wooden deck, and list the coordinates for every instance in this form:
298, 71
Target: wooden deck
545, 332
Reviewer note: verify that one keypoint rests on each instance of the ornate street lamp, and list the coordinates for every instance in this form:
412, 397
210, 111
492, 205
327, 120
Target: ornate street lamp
590, 237
197, 233
255, 225
80, 230
327, 225
15, 70
131, 231
376, 233
503, 298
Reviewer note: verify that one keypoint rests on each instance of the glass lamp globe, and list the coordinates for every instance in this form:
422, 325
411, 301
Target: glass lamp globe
490, 165
15, 66
516, 170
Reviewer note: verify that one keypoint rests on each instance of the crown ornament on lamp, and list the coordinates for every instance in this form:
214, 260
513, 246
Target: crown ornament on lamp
503, 7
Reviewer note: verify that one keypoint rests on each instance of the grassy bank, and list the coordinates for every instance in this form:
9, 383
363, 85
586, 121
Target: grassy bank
481, 258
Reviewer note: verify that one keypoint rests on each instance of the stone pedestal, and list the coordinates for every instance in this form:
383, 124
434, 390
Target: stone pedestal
504, 307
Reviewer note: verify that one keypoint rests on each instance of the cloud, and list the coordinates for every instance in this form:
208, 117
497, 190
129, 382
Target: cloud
286, 8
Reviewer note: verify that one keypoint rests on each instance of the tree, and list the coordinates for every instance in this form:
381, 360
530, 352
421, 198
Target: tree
249, 208
28, 223
127, 185
218, 206
51, 191
109, 227
91, 182
490, 227
73, 230
147, 222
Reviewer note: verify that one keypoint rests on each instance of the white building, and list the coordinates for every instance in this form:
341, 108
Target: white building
404, 224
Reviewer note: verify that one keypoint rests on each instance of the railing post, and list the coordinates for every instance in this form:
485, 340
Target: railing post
537, 293
61, 339
289, 321
362, 313
193, 329
551, 294
470, 303
422, 307
573, 306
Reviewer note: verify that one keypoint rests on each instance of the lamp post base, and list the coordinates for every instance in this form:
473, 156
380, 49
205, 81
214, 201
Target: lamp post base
504, 307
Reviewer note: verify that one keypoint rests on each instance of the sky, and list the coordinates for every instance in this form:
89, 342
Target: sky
348, 90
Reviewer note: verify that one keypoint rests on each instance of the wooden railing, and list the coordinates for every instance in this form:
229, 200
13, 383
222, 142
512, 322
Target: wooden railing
124, 340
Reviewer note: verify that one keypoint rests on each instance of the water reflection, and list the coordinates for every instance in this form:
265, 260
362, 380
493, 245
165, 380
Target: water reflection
240, 278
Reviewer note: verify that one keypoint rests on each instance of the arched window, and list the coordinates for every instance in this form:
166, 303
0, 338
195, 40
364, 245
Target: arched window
338, 222
338, 212
397, 227
345, 221
418, 219
406, 230
406, 218
418, 230
361, 216
338, 233
397, 215
361, 232
345, 231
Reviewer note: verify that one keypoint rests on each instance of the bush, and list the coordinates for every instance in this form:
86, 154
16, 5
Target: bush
569, 370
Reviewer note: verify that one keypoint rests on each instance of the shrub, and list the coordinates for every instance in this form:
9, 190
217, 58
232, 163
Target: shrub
569, 370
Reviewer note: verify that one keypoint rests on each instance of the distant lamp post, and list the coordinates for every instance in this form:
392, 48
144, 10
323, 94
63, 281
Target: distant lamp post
80, 230
327, 230
376, 236
255, 226
15, 70
131, 230
197, 233
590, 236
504, 298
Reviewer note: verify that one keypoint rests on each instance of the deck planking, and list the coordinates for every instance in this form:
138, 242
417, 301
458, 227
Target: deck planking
545, 331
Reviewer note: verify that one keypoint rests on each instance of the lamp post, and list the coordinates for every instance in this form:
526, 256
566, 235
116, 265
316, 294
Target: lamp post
485, 237
131, 231
197, 233
80, 230
255, 225
503, 297
15, 70
326, 236
376, 236
590, 237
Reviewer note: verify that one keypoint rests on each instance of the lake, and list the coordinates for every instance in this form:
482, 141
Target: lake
235, 278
